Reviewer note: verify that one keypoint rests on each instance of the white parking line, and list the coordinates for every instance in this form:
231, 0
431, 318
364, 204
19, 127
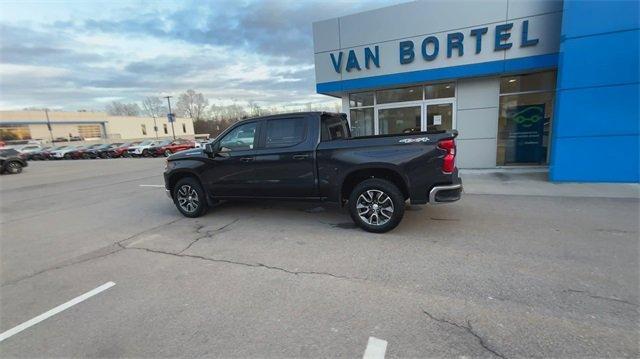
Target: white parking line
376, 348
152, 185
15, 330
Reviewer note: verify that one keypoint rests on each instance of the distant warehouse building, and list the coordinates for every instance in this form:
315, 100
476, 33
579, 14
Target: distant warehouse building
525, 83
89, 126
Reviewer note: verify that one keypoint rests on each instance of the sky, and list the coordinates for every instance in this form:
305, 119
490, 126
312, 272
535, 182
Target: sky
73, 55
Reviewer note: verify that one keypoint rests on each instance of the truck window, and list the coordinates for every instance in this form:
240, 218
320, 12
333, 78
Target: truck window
334, 128
285, 132
240, 138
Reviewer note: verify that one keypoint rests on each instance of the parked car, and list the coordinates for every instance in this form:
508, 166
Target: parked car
121, 151
11, 161
64, 152
38, 155
142, 148
102, 151
28, 149
88, 152
167, 148
311, 156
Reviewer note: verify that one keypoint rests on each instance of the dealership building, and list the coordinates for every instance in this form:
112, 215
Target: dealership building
525, 83
90, 126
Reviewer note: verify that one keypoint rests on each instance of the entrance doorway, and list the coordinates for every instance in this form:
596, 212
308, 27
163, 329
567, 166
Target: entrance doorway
433, 115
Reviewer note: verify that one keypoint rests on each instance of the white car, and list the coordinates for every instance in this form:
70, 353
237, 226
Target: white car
64, 152
27, 149
142, 149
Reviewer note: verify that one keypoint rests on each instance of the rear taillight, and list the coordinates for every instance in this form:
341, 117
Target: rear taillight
449, 160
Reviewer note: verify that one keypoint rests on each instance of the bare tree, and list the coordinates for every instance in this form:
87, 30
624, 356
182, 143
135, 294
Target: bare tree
192, 104
153, 106
117, 108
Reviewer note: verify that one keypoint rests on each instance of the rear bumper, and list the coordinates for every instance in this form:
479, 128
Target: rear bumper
445, 194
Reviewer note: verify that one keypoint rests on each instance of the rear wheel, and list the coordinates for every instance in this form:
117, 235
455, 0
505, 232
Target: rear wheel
376, 205
190, 198
67, 156
13, 167
167, 153
145, 153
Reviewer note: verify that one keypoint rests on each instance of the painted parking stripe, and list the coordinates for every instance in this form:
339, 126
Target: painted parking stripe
376, 348
152, 185
15, 330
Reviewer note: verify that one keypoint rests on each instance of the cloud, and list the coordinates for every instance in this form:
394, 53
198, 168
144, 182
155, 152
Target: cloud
230, 50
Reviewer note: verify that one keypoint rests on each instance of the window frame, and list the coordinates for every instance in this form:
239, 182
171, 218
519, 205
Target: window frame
256, 137
264, 129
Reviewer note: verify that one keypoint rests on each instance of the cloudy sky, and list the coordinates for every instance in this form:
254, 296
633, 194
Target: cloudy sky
82, 55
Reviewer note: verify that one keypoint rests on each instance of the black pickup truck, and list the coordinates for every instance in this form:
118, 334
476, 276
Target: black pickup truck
312, 156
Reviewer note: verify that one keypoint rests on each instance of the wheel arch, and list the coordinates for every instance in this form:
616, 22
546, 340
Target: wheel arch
351, 180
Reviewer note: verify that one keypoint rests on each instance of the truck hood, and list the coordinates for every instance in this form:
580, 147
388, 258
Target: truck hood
183, 155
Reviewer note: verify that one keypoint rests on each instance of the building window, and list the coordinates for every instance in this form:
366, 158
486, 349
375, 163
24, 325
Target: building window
89, 131
361, 114
445, 90
361, 99
184, 128
144, 129
524, 122
399, 95
165, 128
20, 132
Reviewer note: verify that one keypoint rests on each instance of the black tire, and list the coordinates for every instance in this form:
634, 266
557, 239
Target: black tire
13, 167
145, 153
383, 195
185, 189
167, 153
67, 156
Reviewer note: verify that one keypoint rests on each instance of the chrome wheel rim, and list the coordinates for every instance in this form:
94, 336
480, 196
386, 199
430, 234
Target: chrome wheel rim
14, 167
188, 198
374, 207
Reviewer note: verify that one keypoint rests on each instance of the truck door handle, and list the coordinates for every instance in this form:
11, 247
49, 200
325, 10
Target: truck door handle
246, 159
300, 157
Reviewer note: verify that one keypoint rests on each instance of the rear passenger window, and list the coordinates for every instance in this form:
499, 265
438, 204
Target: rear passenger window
285, 132
333, 128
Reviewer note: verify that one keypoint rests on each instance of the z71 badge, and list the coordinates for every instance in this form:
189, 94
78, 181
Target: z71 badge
412, 140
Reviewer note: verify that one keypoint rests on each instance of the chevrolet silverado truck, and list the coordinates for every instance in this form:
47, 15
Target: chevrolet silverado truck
312, 156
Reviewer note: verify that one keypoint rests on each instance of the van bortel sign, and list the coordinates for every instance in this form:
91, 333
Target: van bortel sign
429, 49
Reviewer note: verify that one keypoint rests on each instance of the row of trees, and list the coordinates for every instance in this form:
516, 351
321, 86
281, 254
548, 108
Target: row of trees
211, 119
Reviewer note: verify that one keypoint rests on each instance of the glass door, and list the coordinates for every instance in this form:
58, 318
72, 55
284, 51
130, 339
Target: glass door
396, 120
439, 116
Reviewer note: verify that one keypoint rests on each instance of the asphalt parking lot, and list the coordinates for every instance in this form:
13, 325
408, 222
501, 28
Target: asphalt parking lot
490, 276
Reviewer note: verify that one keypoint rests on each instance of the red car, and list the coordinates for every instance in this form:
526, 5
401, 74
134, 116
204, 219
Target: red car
121, 151
168, 147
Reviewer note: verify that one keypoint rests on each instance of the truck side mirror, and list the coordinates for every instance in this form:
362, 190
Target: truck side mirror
209, 149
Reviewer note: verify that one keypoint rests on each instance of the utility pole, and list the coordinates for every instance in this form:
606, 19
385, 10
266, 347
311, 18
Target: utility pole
46, 113
155, 126
171, 117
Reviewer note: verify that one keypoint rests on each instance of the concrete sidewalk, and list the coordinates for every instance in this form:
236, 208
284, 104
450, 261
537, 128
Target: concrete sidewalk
534, 182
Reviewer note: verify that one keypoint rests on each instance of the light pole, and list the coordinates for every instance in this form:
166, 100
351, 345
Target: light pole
170, 117
46, 112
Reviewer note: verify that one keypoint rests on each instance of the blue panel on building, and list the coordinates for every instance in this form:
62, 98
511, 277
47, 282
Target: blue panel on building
599, 60
595, 133
598, 111
589, 17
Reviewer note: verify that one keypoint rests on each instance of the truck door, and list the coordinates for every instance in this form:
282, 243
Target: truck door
284, 165
232, 170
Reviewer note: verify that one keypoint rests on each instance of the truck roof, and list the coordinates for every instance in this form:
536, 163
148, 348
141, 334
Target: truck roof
292, 114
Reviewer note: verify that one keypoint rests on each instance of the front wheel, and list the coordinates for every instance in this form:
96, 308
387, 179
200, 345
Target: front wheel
190, 198
13, 167
167, 153
376, 205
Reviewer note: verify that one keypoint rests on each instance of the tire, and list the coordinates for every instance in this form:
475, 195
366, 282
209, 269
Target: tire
145, 153
67, 156
183, 195
13, 167
376, 200
167, 153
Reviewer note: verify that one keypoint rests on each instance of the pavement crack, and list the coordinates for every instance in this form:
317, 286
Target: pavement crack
83, 258
469, 329
613, 299
252, 265
208, 234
